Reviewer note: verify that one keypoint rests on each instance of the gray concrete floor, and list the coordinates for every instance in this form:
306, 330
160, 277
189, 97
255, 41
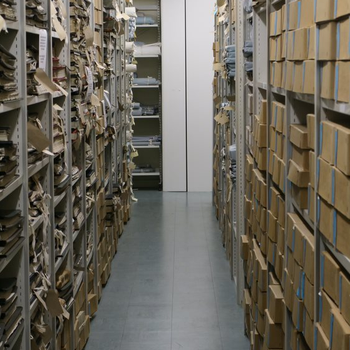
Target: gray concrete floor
170, 285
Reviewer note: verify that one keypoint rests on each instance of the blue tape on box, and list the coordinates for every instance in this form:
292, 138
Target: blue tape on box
275, 116
299, 13
275, 22
334, 227
335, 8
303, 75
349, 41
315, 9
303, 287
331, 335
273, 73
293, 239
318, 210
340, 291
336, 82
318, 43
338, 40
320, 311
321, 137
333, 186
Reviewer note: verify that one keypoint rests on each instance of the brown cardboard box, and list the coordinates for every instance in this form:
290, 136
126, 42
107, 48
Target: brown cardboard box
309, 299
306, 13
271, 252
297, 175
341, 192
311, 204
293, 220
326, 306
327, 42
312, 166
342, 233
294, 15
309, 77
288, 291
273, 138
276, 74
274, 193
275, 303
279, 266
263, 113
284, 42
281, 183
330, 276
290, 264
342, 148
300, 48
342, 8
276, 48
249, 167
309, 254
345, 297
301, 157
343, 37
281, 211
298, 136
342, 76
280, 239
262, 158
300, 195
278, 116
298, 314
272, 229
327, 131
311, 131
321, 338
274, 336
276, 23
298, 77
244, 247
262, 301
324, 10
325, 218
311, 40
328, 80
276, 169
324, 172
341, 332
280, 145
308, 330
93, 304
289, 75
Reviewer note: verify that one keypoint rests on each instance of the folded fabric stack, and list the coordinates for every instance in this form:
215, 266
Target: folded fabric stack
146, 81
248, 66
141, 49
147, 140
141, 19
248, 48
59, 73
8, 84
230, 60
132, 27
136, 109
8, 9
11, 314
11, 227
8, 158
36, 14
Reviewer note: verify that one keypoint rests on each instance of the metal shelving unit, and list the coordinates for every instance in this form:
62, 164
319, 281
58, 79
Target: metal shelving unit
74, 114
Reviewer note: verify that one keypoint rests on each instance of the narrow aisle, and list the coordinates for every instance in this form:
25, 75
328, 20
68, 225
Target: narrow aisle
170, 285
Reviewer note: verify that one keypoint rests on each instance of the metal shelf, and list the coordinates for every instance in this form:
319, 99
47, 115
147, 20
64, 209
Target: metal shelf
341, 258
62, 258
145, 147
11, 187
146, 117
58, 199
147, 56
37, 222
146, 26
278, 91
146, 86
146, 174
10, 106
332, 105
34, 168
32, 100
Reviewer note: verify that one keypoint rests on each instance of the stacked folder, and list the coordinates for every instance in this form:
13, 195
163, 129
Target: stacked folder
8, 158
64, 284
59, 73
36, 14
59, 140
8, 9
10, 314
8, 83
33, 87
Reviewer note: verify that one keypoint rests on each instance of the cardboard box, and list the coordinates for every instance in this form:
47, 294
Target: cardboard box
312, 166
293, 220
342, 76
342, 39
281, 211
263, 112
328, 80
341, 235
298, 136
341, 192
262, 159
344, 300
274, 195
298, 313
301, 157
324, 10
262, 301
321, 338
278, 116
244, 247
288, 291
297, 175
306, 13
282, 183
284, 44
289, 76
308, 256
330, 276
325, 176
300, 44
276, 74
325, 218
342, 8
328, 144
273, 138
308, 329
280, 239
276, 48
340, 331
272, 228
311, 204
326, 306
309, 77
298, 77
274, 337
311, 35
93, 304
276, 23
311, 131
276, 303
280, 145
294, 15
300, 195
327, 49
309, 298
271, 252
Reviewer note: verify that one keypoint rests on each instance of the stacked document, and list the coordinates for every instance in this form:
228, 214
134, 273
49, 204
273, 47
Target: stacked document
36, 14
230, 60
146, 81
8, 10
141, 49
8, 83
147, 140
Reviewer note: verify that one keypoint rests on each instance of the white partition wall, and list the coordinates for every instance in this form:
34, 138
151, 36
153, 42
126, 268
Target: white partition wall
199, 41
173, 89
187, 37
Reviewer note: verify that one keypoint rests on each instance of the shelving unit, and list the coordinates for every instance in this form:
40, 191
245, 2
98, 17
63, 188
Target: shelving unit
289, 221
148, 31
72, 183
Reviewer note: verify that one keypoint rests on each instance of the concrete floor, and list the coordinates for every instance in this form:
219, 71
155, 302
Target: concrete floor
170, 285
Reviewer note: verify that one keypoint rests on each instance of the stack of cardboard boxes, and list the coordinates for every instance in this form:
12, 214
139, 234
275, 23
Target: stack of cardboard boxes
298, 281
259, 139
277, 147
333, 184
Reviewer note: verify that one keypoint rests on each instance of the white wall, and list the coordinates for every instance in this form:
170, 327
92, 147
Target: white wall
187, 99
173, 88
200, 37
